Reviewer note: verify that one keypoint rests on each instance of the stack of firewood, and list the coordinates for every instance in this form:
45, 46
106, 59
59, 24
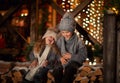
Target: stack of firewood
86, 73
89, 74
11, 77
10, 71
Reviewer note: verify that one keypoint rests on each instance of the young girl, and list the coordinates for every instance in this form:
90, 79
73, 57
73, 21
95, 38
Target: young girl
52, 59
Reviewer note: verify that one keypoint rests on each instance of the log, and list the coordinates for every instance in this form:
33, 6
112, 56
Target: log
84, 80
87, 69
93, 78
9, 51
77, 79
91, 73
98, 72
50, 78
83, 73
17, 77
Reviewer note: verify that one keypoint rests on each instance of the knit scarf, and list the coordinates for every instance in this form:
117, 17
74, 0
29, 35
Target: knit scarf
69, 45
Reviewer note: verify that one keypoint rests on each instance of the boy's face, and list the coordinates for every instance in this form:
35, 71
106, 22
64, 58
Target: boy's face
66, 34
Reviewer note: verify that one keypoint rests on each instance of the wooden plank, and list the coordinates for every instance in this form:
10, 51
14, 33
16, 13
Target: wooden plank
56, 7
9, 51
118, 51
80, 7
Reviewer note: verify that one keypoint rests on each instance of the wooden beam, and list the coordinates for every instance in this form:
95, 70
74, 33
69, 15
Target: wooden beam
22, 36
37, 20
10, 12
118, 51
9, 51
56, 7
80, 7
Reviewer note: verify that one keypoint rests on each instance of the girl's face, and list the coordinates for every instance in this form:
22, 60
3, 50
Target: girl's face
66, 34
49, 40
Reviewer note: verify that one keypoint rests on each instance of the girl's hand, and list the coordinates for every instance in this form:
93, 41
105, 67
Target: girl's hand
45, 63
34, 63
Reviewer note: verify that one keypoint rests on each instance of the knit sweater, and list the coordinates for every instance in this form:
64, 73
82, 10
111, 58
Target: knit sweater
75, 46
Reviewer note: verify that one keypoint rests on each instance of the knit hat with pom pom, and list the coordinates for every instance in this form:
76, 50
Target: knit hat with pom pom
67, 23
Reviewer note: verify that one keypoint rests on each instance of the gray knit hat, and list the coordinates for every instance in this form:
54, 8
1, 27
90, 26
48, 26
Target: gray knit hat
67, 23
50, 32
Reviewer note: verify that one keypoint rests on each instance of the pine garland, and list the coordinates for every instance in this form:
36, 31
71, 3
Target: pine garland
113, 4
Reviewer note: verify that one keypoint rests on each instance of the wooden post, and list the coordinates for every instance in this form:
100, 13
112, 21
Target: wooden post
118, 51
37, 18
33, 23
109, 48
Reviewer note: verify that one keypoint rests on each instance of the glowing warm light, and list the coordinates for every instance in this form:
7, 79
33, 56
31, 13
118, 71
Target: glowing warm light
83, 10
76, 4
77, 33
94, 25
91, 30
68, 1
71, 4
26, 14
86, 42
68, 10
64, 9
22, 14
83, 26
79, 17
87, 59
99, 14
63, 6
99, 2
88, 29
71, 10
90, 63
76, 19
97, 11
90, 20
87, 21
94, 63
63, 3
88, 15
86, 11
